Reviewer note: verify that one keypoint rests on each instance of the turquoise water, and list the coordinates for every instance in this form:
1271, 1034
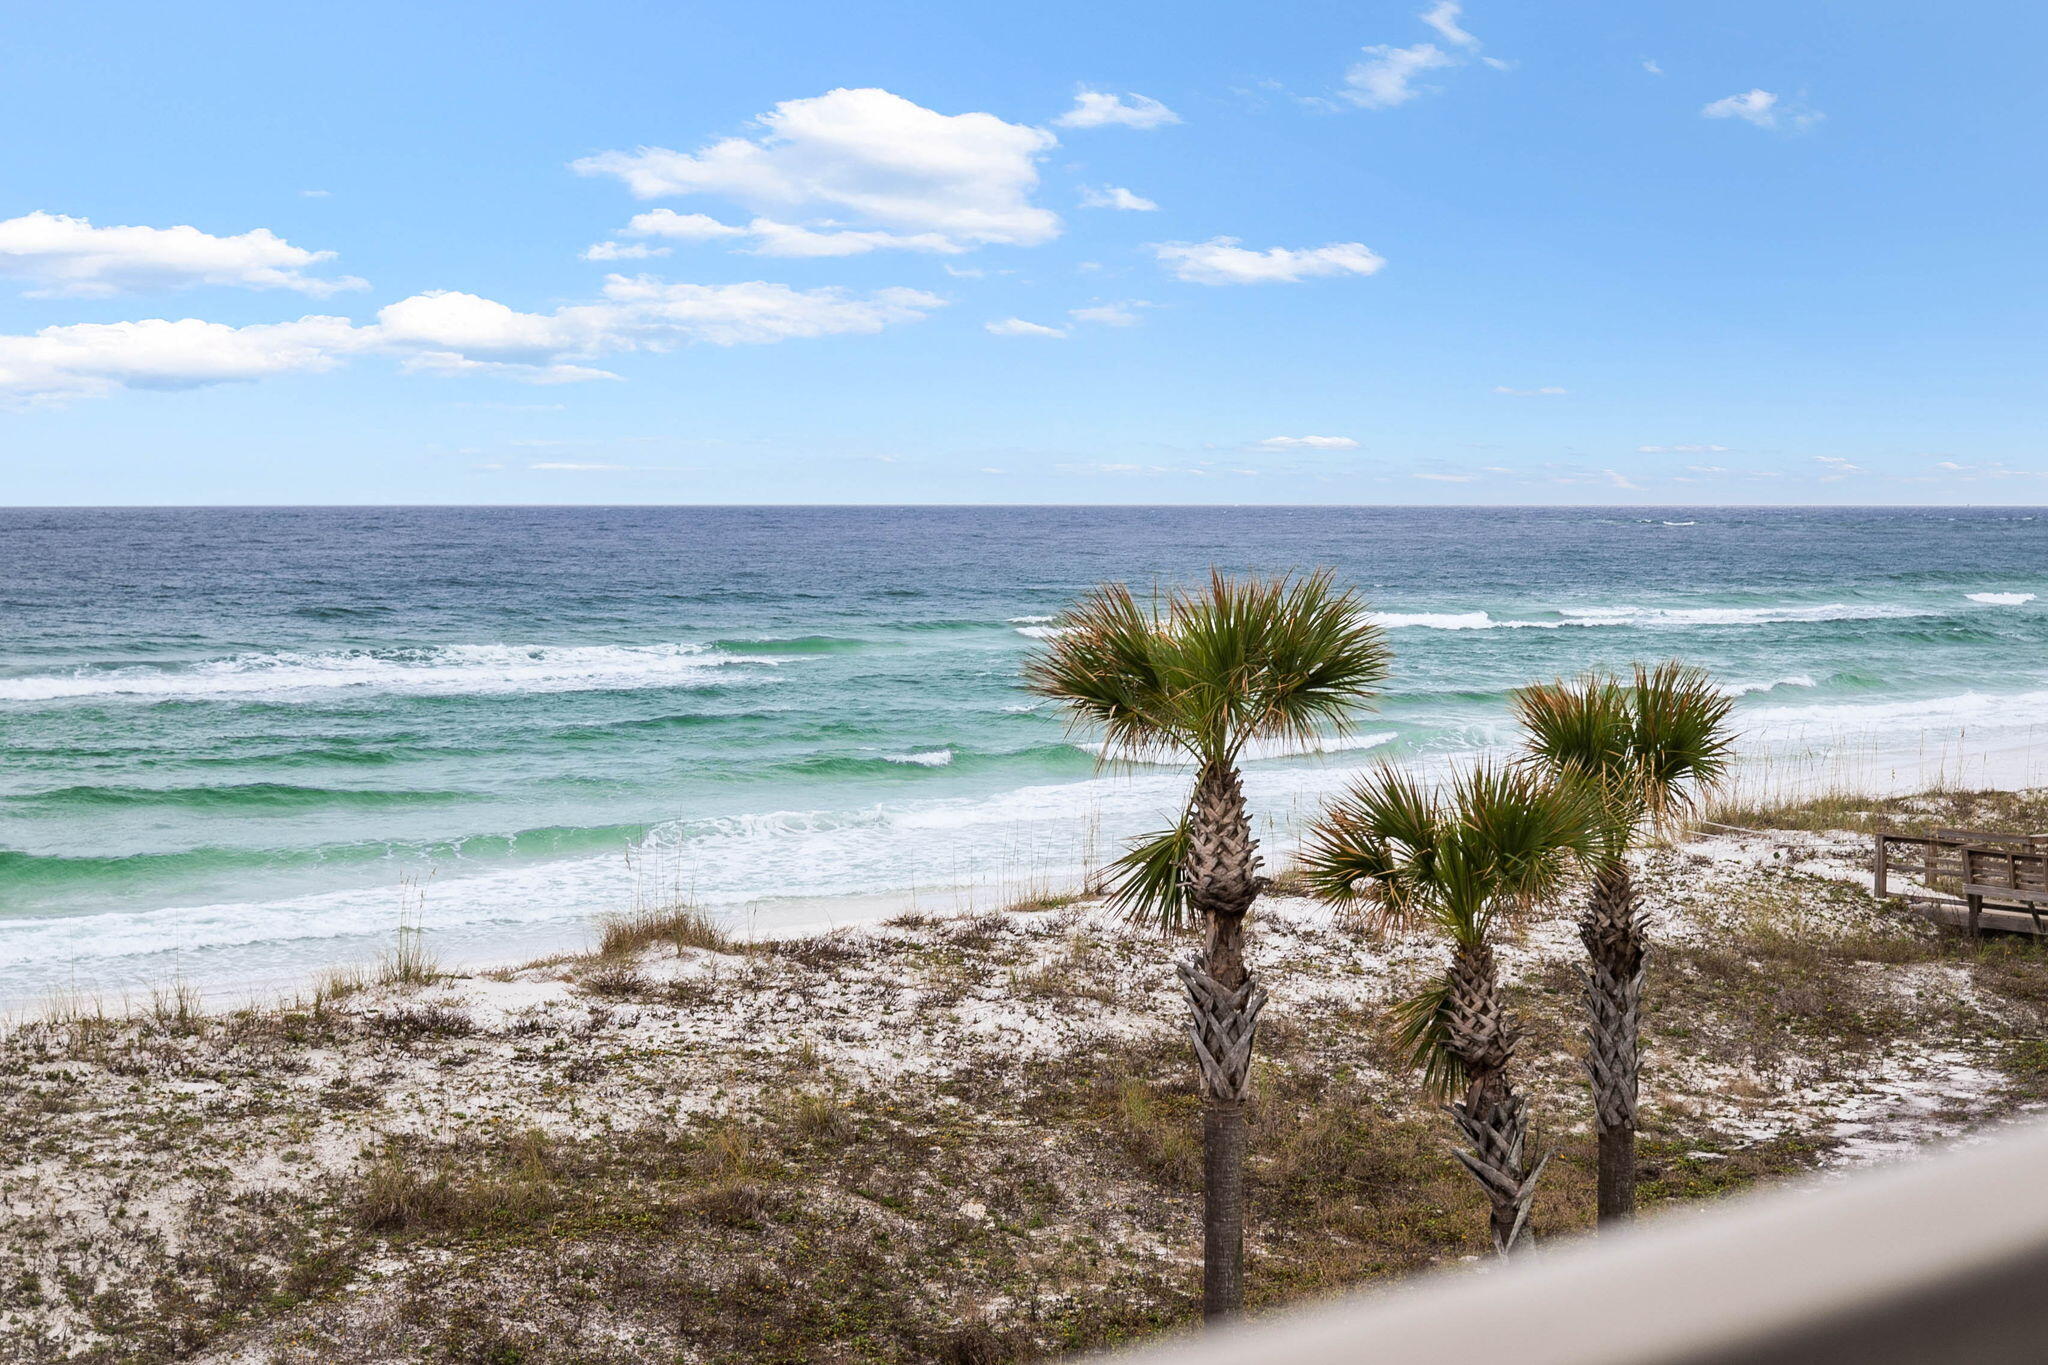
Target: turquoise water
234, 742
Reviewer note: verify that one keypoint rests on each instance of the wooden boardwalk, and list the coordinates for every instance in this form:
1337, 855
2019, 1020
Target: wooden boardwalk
1974, 879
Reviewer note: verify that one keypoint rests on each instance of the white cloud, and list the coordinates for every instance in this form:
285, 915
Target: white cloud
1762, 108
567, 465
1017, 327
623, 251
1443, 17
1108, 314
157, 353
1448, 478
1097, 109
1308, 443
1387, 79
445, 333
786, 239
683, 227
1758, 107
1837, 467
62, 255
1706, 469
1547, 391
652, 314
1114, 197
1621, 480
1680, 450
316, 194
886, 161
1652, 67
1220, 260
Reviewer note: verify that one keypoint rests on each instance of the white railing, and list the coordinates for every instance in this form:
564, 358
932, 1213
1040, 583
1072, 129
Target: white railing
1941, 1259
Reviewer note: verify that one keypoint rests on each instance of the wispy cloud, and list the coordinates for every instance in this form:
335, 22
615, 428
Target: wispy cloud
1547, 391
1100, 109
1308, 443
1681, 450
1018, 327
1763, 109
1220, 260
1115, 197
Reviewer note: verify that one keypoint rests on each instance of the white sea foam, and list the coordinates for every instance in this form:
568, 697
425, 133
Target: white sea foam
1258, 751
1043, 632
929, 758
1031, 620
473, 669
1743, 689
2001, 599
1735, 616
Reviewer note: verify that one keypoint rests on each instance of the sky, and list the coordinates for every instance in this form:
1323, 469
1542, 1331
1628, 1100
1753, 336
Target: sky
1605, 252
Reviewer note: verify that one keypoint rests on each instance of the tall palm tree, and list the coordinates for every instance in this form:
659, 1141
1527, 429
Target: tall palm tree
1465, 860
1201, 675
1651, 749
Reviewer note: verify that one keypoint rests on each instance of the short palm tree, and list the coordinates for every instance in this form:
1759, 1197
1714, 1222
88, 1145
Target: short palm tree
1651, 748
1200, 675
1465, 860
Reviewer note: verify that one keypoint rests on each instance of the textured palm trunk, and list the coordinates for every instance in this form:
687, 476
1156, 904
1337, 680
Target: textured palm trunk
1222, 881
1493, 1116
1613, 931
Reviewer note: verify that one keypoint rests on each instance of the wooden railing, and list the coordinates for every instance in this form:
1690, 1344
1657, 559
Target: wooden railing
1936, 860
1935, 1262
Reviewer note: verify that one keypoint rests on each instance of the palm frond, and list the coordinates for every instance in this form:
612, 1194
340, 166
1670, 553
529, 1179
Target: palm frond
1653, 747
1214, 669
1145, 884
1422, 1032
1373, 853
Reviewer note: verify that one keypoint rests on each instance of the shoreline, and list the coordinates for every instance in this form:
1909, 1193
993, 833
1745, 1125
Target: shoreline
1812, 771
939, 1123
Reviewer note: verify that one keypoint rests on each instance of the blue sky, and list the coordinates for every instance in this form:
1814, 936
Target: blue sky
1399, 253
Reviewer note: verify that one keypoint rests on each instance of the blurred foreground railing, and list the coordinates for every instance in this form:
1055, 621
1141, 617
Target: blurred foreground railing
1940, 1259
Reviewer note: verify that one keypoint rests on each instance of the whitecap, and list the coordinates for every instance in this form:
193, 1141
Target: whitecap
471, 669
1743, 689
2001, 599
1043, 632
1031, 620
928, 758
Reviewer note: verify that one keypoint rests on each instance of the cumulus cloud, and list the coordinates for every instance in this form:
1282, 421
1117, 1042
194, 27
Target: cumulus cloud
1114, 197
1018, 327
1547, 391
158, 353
62, 255
445, 333
682, 227
1761, 108
1308, 443
1220, 260
890, 164
1098, 109
1837, 467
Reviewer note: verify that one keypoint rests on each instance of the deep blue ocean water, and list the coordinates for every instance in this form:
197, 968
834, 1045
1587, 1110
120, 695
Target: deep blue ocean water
234, 742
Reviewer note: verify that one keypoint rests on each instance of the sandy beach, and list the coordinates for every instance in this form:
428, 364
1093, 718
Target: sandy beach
951, 1136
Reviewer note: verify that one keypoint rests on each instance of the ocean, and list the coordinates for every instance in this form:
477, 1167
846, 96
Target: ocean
239, 744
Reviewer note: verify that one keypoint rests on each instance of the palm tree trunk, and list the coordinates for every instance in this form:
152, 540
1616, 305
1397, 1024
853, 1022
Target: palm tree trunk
1612, 930
1222, 881
1493, 1116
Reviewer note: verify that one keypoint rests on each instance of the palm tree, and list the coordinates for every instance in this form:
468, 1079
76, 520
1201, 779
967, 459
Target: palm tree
1464, 860
1200, 676
1651, 749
